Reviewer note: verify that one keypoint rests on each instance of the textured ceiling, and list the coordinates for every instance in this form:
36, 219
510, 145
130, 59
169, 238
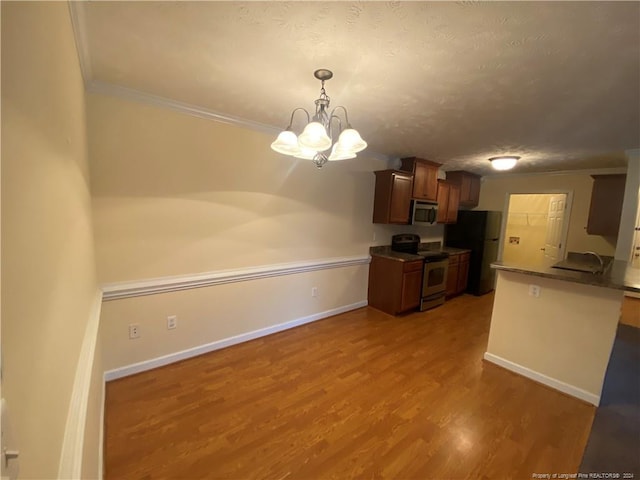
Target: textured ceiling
557, 83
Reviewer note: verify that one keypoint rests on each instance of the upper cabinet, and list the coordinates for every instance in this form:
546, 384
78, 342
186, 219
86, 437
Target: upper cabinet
392, 201
418, 179
425, 178
469, 184
448, 201
607, 197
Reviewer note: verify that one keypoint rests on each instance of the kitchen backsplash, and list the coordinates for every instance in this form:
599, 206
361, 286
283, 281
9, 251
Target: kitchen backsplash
383, 233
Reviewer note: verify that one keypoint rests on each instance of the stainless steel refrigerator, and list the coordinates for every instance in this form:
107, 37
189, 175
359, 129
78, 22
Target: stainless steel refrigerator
478, 231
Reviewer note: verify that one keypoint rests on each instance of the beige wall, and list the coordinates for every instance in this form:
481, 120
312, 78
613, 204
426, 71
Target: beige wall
494, 191
48, 275
176, 194
211, 314
526, 221
93, 433
566, 333
383, 233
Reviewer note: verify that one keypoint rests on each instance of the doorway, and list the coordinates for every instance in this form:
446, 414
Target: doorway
536, 228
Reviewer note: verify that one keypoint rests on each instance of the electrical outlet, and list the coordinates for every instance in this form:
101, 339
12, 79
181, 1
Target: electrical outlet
314, 291
172, 322
374, 236
134, 331
534, 290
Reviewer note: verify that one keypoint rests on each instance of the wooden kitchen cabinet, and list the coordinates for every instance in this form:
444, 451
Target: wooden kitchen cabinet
463, 272
425, 178
607, 196
469, 184
452, 275
458, 273
392, 201
394, 286
448, 201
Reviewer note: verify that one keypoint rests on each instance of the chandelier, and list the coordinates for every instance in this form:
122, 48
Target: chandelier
316, 142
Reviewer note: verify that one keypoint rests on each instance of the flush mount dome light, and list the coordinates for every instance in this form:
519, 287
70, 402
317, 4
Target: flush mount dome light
504, 163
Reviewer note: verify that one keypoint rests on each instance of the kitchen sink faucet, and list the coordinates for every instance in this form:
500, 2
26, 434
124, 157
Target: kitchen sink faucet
598, 257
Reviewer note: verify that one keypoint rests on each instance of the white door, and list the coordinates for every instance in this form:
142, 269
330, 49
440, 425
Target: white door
553, 248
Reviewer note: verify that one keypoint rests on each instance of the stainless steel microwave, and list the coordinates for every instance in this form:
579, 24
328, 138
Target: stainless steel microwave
424, 213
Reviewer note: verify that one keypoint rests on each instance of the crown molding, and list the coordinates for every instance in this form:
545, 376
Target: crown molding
109, 89
77, 11
78, 22
131, 94
77, 14
592, 171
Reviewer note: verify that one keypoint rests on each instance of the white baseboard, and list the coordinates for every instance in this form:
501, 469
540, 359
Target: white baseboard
632, 294
70, 465
101, 433
543, 379
226, 342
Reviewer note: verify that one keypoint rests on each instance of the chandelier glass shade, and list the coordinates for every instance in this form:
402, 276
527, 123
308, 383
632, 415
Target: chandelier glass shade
316, 141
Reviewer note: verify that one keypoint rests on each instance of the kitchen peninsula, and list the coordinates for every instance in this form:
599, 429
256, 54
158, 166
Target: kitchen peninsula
557, 326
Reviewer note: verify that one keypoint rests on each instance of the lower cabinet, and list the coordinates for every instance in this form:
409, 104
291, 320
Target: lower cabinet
463, 272
394, 286
458, 273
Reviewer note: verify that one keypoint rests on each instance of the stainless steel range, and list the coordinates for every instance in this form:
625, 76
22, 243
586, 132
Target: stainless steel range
434, 272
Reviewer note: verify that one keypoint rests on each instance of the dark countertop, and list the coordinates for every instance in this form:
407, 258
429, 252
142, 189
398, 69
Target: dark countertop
619, 276
455, 251
386, 252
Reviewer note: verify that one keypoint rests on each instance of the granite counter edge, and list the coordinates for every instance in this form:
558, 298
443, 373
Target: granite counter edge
616, 281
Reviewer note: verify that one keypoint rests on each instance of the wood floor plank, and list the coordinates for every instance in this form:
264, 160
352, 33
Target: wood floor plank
358, 395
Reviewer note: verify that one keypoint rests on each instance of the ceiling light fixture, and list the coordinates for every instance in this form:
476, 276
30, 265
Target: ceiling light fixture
318, 135
504, 163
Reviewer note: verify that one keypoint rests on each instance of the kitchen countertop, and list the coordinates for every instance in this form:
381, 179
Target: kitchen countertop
455, 251
620, 275
386, 252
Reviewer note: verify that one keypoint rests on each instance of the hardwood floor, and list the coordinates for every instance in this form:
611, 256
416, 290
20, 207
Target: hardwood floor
358, 395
